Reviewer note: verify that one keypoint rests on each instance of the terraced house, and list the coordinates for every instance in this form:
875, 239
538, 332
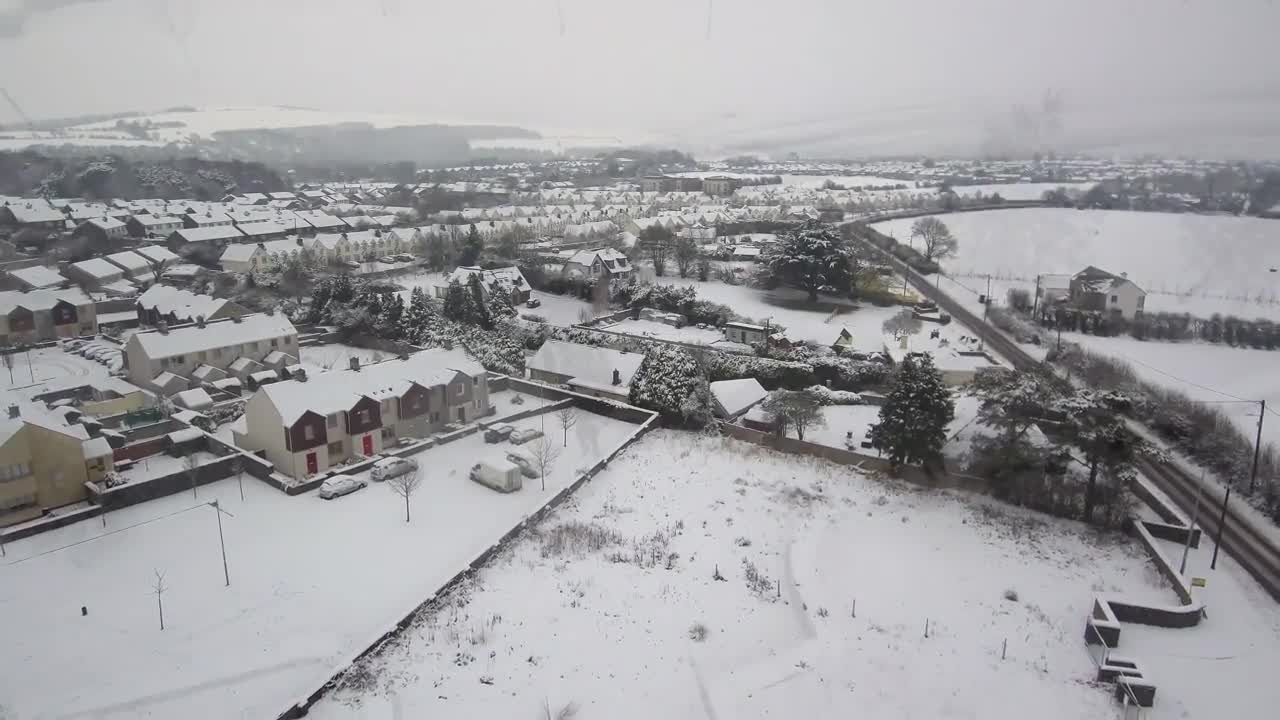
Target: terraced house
308, 424
183, 351
29, 317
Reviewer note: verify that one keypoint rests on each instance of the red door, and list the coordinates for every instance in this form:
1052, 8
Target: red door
368, 445
312, 465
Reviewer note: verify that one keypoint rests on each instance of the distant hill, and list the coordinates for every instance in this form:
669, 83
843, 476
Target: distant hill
119, 176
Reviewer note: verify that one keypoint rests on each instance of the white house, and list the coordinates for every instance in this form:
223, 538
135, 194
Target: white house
606, 263
508, 278
595, 371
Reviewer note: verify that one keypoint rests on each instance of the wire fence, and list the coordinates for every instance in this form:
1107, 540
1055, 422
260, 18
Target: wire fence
1100, 653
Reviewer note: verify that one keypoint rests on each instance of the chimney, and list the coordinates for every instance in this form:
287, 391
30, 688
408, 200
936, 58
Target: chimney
14, 411
300, 375
162, 327
299, 242
264, 247
200, 321
355, 363
617, 377
235, 319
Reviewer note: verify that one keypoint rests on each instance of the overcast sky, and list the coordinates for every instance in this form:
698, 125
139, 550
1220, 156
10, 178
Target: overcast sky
905, 68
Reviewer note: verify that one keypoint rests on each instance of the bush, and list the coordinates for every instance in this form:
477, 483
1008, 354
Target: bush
1019, 299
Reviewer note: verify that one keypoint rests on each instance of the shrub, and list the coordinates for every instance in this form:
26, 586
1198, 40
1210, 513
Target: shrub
698, 632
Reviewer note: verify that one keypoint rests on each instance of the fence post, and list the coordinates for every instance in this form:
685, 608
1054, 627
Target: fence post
926, 627
1004, 648
855, 607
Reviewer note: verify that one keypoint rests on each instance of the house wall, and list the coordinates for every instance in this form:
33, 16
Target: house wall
1127, 300
142, 368
59, 465
19, 497
549, 377
130, 402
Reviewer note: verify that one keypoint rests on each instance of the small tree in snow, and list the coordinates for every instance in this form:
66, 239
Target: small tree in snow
670, 382
158, 588
545, 454
794, 409
902, 324
686, 252
404, 485
936, 236
914, 418
568, 417
191, 466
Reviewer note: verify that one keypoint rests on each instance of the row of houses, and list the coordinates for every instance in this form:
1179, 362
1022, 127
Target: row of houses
316, 251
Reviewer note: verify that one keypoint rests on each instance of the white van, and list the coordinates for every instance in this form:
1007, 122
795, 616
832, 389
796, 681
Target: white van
497, 475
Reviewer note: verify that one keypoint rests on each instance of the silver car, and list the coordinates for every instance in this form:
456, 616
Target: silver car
340, 485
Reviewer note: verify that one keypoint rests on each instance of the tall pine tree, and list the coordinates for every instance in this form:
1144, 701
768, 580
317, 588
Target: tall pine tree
471, 247
914, 418
670, 382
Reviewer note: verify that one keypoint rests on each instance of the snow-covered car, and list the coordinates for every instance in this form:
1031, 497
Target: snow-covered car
351, 264
340, 485
520, 437
497, 433
403, 257
73, 344
387, 468
388, 259
524, 462
533, 303
98, 352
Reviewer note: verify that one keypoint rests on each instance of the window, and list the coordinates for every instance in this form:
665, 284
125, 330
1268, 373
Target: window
363, 417
308, 432
388, 433
17, 502
435, 417
12, 472
204, 356
1142, 300
335, 448
388, 406
164, 362
275, 342
459, 389
1115, 299
332, 420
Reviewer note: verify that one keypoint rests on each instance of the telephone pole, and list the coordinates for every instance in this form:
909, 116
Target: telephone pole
1257, 445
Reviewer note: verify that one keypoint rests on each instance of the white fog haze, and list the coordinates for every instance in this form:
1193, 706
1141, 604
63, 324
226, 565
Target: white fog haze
856, 78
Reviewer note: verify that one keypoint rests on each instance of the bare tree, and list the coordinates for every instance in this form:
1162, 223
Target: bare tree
938, 240
7, 358
902, 324
191, 466
404, 485
686, 253
797, 409
568, 417
158, 588
545, 454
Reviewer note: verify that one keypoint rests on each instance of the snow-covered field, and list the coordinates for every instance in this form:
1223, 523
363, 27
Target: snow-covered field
1196, 264
638, 628
312, 582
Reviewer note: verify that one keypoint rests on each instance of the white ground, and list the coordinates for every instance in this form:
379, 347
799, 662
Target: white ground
160, 465
613, 636
312, 582
337, 356
44, 369
1187, 263
687, 334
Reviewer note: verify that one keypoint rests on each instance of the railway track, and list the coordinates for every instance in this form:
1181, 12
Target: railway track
1250, 548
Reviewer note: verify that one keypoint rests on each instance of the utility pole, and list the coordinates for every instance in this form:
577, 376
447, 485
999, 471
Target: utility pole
986, 302
1257, 445
1035, 299
1195, 515
226, 575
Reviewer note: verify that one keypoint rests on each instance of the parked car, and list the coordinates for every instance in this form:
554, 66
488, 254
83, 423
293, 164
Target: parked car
497, 433
533, 303
340, 485
404, 257
520, 437
351, 264
524, 462
73, 344
388, 259
497, 475
387, 468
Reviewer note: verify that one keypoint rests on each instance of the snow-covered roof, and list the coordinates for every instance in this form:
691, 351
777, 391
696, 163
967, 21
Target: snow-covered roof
239, 252
95, 448
610, 257
221, 333
148, 221
320, 219
736, 396
206, 234
35, 212
131, 261
584, 362
38, 276
155, 253
98, 268
184, 305
186, 435
166, 379
510, 278
330, 392
264, 227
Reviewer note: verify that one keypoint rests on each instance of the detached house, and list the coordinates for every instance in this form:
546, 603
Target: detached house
604, 263
508, 278
308, 424
1097, 289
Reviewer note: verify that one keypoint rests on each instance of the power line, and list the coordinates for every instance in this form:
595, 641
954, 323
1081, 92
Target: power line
113, 532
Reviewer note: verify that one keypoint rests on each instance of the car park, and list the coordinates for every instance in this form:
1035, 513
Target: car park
520, 437
390, 467
339, 485
497, 433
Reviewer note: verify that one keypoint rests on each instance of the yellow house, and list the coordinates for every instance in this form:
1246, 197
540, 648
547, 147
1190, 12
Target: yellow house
45, 463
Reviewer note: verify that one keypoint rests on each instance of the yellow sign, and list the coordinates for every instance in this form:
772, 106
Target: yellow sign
1197, 582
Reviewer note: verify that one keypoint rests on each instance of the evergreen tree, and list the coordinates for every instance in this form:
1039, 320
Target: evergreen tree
1095, 424
388, 323
499, 304
437, 252
478, 310
471, 247
414, 322
670, 382
812, 257
914, 418
457, 302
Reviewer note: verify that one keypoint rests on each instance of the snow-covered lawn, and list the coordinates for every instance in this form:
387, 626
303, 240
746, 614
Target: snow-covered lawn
160, 465
688, 334
839, 420
337, 356
559, 310
48, 368
1187, 263
636, 626
1205, 372
312, 582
